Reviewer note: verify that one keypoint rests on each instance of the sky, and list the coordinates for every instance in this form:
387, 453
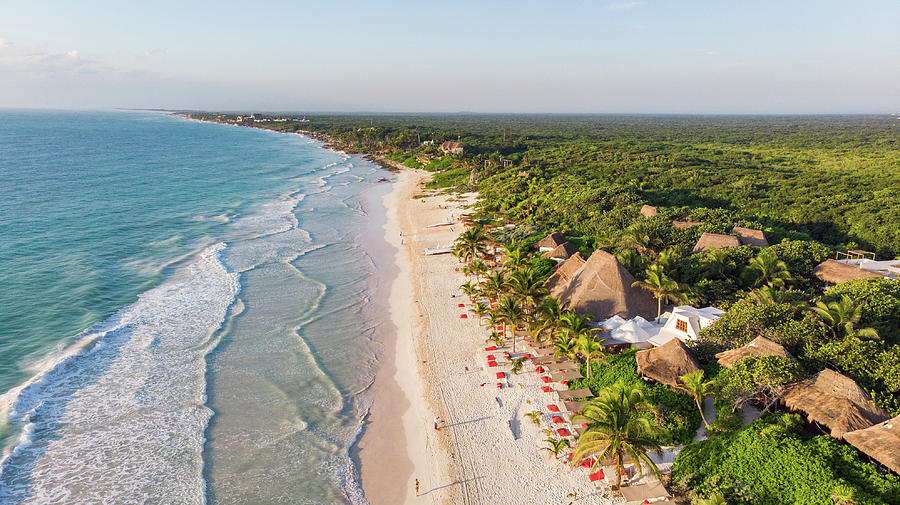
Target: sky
569, 56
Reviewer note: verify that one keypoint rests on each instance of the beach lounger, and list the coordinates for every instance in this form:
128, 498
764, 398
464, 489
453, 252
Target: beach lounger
575, 394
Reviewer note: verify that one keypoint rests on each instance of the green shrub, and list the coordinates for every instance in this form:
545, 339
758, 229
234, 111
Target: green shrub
780, 467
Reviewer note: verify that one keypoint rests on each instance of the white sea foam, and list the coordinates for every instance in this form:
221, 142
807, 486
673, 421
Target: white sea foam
119, 416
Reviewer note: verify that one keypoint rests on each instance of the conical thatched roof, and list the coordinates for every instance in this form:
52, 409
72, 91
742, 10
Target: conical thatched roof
880, 442
667, 363
552, 241
835, 401
834, 271
715, 241
565, 271
602, 288
749, 236
649, 211
685, 224
562, 251
759, 346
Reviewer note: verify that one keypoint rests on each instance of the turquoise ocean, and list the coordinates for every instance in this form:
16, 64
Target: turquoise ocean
189, 312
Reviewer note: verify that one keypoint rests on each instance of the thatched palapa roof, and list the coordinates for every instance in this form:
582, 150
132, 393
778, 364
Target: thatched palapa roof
649, 211
749, 236
759, 346
715, 241
565, 271
834, 271
562, 251
552, 241
601, 288
667, 363
685, 224
835, 401
880, 442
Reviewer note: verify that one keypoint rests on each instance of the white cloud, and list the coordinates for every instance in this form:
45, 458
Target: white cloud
621, 6
39, 60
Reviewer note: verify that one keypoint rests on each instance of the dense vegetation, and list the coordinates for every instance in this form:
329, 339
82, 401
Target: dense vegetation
772, 463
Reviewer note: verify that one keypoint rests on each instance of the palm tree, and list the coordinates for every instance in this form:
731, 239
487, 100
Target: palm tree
469, 289
698, 389
588, 347
565, 346
494, 285
841, 316
515, 258
535, 416
555, 446
716, 263
618, 427
481, 310
525, 285
767, 270
517, 365
661, 286
511, 312
470, 244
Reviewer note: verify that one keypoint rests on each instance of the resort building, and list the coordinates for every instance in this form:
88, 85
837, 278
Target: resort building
452, 147
649, 211
856, 265
561, 253
881, 443
684, 323
834, 403
666, 364
749, 236
715, 241
600, 287
551, 242
759, 346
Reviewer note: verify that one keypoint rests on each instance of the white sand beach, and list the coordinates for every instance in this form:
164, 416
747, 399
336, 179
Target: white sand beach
487, 451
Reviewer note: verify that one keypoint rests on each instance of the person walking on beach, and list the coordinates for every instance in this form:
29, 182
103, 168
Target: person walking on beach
417, 487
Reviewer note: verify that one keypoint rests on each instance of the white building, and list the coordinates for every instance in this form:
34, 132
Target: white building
685, 323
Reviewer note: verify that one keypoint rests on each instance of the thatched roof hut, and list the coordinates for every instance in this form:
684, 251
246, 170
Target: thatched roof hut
759, 346
880, 442
565, 271
602, 288
834, 272
667, 363
835, 401
551, 242
685, 224
749, 236
561, 252
649, 211
715, 241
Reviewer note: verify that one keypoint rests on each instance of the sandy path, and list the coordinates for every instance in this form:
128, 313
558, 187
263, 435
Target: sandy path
487, 451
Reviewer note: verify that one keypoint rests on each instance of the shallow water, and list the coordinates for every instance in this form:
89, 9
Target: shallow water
190, 311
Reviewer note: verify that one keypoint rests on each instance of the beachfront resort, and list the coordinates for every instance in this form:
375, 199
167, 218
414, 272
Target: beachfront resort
583, 384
